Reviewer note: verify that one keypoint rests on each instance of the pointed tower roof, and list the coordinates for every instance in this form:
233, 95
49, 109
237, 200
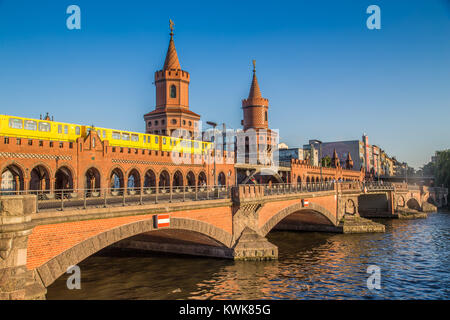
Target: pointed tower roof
255, 92
171, 61
335, 160
254, 96
349, 161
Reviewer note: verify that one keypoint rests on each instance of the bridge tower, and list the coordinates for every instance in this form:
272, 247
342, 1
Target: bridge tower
172, 99
257, 141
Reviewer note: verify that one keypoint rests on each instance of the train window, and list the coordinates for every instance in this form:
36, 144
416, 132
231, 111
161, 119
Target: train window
30, 125
66, 130
196, 145
126, 136
15, 123
99, 132
116, 135
44, 126
134, 137
156, 139
104, 134
77, 130
164, 140
59, 128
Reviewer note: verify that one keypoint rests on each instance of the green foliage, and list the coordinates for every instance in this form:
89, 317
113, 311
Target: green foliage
326, 162
441, 169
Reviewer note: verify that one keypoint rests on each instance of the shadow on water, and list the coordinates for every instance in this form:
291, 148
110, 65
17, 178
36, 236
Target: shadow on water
413, 256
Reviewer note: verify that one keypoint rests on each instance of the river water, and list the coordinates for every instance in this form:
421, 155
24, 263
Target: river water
413, 257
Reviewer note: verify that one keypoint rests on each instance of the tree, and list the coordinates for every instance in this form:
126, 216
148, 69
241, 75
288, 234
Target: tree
440, 168
326, 162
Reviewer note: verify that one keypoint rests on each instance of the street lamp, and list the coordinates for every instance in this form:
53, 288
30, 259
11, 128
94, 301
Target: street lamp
320, 155
214, 125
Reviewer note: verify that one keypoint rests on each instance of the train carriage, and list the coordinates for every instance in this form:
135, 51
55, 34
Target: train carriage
28, 128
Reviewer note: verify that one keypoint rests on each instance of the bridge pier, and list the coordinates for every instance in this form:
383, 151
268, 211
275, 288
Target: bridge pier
16, 281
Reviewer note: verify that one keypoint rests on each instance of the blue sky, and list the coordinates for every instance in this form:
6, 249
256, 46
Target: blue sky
325, 74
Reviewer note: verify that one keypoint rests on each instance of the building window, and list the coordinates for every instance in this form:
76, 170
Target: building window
184, 122
156, 122
163, 121
41, 143
190, 123
265, 115
174, 121
149, 123
30, 142
61, 144
18, 141
173, 91
51, 144
6, 140
70, 145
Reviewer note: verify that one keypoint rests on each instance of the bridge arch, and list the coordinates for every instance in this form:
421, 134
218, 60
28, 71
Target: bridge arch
312, 209
134, 179
116, 178
190, 179
13, 177
413, 204
57, 266
164, 179
40, 178
149, 179
64, 178
92, 178
202, 178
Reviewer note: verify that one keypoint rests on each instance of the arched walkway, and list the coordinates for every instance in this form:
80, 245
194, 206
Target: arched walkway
12, 178
134, 181
221, 181
177, 179
150, 179
116, 180
63, 179
92, 179
39, 179
164, 180
202, 181
190, 179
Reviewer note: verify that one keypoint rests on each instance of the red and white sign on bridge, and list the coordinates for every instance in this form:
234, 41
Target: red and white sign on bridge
161, 221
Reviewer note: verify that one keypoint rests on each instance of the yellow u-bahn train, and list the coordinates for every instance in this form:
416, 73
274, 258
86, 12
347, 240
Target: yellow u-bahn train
28, 128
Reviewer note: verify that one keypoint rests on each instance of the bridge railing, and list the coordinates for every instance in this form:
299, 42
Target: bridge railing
287, 188
63, 199
358, 186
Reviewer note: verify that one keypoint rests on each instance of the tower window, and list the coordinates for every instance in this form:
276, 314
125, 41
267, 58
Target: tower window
173, 91
265, 116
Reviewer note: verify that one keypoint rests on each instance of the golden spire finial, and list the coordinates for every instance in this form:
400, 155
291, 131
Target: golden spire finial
254, 65
171, 26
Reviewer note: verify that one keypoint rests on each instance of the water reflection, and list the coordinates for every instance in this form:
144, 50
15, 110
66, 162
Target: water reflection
413, 256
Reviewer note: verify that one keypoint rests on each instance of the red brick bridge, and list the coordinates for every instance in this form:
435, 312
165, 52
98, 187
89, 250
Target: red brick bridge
37, 247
